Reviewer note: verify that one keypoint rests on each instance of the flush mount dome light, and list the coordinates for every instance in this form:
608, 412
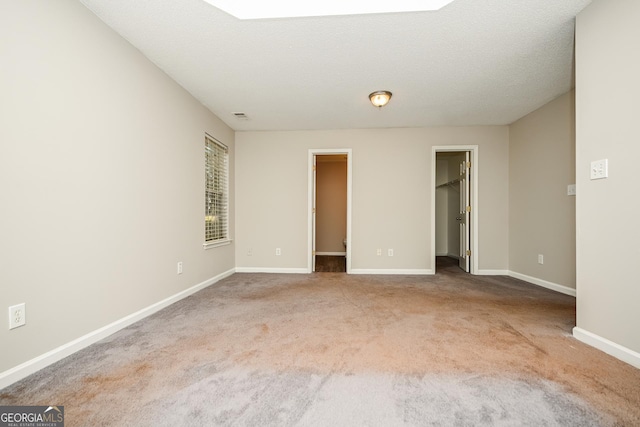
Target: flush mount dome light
380, 98
261, 9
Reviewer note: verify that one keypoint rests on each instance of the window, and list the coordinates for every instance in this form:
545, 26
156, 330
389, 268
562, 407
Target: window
216, 196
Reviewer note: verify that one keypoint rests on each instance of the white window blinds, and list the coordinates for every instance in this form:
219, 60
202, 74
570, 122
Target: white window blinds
216, 197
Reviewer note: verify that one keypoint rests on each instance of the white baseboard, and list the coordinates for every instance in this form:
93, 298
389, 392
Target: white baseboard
442, 254
492, 272
29, 367
332, 253
420, 272
545, 284
271, 270
616, 350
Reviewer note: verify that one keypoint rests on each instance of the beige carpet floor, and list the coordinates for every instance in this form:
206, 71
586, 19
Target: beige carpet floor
337, 349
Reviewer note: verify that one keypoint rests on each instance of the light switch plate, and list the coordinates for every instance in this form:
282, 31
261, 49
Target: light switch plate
600, 169
571, 190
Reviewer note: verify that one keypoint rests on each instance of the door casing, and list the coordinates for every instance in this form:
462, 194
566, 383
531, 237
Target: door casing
475, 163
311, 190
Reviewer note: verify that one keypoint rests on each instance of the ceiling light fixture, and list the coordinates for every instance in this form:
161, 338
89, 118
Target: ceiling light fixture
380, 98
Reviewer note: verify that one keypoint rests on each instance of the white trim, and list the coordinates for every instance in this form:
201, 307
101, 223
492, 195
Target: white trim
328, 151
216, 243
492, 272
475, 224
442, 254
616, 350
410, 272
271, 270
545, 284
332, 253
29, 367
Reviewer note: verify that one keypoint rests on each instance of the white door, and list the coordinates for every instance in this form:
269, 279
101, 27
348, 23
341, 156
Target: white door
463, 217
313, 216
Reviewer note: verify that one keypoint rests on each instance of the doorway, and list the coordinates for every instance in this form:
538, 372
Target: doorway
454, 206
330, 210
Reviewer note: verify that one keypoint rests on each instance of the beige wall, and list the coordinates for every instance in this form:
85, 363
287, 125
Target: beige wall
391, 195
101, 176
541, 214
607, 88
331, 204
442, 207
102, 182
453, 202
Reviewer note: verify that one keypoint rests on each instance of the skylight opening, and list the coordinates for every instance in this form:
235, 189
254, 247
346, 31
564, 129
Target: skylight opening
261, 9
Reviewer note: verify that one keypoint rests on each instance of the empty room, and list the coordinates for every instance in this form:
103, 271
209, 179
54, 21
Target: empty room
226, 213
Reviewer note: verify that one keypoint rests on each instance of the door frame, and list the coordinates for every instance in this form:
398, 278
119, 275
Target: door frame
310, 195
475, 166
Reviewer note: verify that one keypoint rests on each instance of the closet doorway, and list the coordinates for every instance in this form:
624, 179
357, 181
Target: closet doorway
454, 202
330, 211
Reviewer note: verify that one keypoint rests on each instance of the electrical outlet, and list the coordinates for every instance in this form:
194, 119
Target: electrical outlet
379, 252
278, 251
390, 252
540, 259
571, 190
180, 267
250, 252
17, 316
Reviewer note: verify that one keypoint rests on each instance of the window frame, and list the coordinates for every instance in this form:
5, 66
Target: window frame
218, 188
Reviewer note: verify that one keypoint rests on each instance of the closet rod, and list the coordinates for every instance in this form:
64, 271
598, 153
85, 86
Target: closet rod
450, 183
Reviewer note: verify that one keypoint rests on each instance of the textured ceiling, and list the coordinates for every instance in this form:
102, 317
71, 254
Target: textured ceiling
474, 62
